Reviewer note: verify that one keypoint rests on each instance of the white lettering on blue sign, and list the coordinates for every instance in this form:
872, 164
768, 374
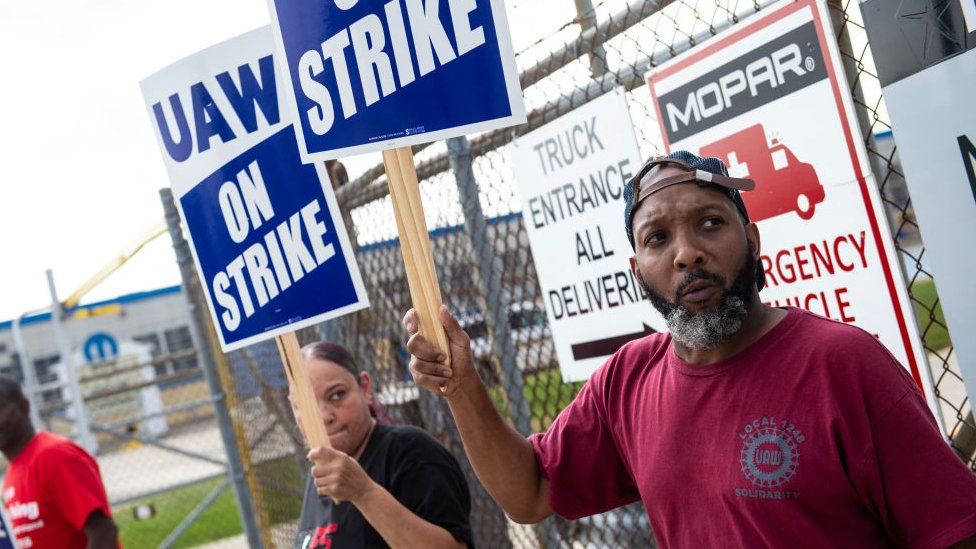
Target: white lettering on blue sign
270, 266
250, 93
372, 61
249, 193
367, 76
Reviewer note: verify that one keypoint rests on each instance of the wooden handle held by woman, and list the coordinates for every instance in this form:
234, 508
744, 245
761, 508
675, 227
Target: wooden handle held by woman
300, 389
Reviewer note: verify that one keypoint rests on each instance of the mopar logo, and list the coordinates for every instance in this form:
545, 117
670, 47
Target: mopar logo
714, 97
100, 347
775, 69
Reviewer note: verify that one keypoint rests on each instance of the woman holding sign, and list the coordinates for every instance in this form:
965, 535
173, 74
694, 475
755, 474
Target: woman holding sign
378, 485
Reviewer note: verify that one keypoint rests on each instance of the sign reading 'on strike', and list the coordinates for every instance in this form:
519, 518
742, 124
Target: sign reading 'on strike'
366, 76
267, 237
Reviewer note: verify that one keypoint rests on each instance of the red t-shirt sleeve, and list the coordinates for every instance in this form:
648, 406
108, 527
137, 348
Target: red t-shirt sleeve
74, 484
579, 458
911, 479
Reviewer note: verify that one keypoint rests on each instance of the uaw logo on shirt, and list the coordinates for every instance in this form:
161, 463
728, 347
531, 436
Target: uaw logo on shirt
769, 458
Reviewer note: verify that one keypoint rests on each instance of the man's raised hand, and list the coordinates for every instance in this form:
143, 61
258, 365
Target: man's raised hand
427, 363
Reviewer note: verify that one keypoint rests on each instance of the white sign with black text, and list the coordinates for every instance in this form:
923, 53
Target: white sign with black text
571, 175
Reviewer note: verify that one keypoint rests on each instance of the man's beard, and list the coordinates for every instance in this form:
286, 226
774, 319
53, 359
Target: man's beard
707, 329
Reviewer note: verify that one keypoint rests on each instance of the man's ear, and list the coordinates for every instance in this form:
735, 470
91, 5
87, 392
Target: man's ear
753, 240
637, 276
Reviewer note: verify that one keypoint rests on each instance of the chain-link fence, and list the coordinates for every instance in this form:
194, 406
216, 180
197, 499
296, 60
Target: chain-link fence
152, 426
488, 278
165, 470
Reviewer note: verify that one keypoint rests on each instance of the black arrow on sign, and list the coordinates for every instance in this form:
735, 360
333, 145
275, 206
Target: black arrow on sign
608, 346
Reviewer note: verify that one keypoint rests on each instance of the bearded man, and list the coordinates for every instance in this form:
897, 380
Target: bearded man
745, 425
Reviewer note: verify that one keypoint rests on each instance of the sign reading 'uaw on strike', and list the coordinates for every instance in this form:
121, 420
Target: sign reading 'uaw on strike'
265, 229
367, 76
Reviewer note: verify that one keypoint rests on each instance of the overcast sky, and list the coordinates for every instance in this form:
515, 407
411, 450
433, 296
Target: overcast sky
81, 168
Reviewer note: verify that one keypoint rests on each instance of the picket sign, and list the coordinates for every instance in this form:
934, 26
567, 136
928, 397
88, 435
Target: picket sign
472, 87
266, 233
356, 81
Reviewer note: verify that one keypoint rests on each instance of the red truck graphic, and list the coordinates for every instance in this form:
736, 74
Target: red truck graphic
783, 183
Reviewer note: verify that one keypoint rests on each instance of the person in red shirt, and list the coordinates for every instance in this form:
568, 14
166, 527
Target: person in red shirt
52, 490
745, 425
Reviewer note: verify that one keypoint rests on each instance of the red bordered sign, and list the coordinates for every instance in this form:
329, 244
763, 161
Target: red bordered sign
770, 99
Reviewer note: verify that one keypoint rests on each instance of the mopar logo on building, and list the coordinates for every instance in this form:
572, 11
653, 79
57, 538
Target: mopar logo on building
776, 69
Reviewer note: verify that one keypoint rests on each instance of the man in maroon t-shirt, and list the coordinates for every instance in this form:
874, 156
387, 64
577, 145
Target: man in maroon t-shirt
745, 425
52, 490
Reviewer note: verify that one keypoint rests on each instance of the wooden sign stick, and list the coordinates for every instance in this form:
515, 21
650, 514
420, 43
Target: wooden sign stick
301, 391
425, 292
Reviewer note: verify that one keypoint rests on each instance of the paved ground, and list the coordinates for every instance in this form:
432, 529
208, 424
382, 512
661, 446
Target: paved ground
141, 468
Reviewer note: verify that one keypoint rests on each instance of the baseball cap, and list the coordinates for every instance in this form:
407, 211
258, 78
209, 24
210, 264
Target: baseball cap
704, 171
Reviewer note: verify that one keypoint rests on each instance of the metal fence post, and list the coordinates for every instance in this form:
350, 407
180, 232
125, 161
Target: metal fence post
586, 17
83, 431
496, 310
201, 326
28, 372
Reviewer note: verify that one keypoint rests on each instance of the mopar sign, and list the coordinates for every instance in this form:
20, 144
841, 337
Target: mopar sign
769, 99
100, 347
776, 69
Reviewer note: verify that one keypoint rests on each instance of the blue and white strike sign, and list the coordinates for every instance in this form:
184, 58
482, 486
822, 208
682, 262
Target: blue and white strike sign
367, 76
265, 229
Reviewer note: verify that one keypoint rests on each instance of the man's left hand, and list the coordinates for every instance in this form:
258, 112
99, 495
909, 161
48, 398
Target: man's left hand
339, 476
